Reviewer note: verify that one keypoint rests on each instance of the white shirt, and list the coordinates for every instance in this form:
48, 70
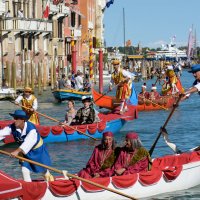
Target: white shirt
20, 14
35, 103
125, 73
197, 86
79, 82
29, 141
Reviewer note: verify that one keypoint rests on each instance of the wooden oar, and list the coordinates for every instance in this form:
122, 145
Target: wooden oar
165, 124
154, 103
69, 175
55, 120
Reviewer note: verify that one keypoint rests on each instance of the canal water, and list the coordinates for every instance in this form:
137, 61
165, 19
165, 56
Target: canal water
183, 129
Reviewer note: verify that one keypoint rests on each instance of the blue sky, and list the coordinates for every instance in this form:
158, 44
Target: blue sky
151, 22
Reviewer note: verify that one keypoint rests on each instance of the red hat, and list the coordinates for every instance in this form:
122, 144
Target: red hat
132, 135
108, 134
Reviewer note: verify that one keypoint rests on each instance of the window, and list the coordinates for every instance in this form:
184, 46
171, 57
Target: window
60, 21
73, 19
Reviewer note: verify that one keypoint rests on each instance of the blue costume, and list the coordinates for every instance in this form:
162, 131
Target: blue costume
38, 153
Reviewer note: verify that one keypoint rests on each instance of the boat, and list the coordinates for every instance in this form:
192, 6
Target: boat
110, 102
7, 93
61, 94
169, 174
108, 122
171, 52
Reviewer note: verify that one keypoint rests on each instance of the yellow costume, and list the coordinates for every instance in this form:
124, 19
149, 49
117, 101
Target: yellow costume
118, 80
33, 117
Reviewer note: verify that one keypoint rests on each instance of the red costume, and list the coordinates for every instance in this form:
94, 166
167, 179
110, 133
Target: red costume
100, 162
133, 162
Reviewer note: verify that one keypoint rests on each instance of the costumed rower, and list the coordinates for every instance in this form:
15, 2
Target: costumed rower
102, 159
143, 95
29, 101
31, 145
154, 95
195, 69
133, 157
119, 77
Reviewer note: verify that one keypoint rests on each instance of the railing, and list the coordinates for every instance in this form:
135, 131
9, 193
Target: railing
22, 24
59, 9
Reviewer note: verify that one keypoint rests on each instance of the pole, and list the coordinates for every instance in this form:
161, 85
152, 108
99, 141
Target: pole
124, 36
73, 47
100, 71
2, 66
91, 57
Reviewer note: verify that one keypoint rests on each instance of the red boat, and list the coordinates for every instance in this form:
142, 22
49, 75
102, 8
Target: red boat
111, 102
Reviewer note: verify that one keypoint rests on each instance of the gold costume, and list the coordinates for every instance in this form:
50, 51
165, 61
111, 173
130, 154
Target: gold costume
118, 80
33, 117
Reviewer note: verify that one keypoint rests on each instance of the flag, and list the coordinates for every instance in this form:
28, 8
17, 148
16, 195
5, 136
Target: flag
47, 9
109, 2
190, 44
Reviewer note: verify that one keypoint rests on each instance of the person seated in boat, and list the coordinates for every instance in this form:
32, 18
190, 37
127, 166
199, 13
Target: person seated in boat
118, 78
133, 157
86, 114
87, 85
102, 159
62, 82
154, 95
29, 104
31, 145
144, 94
71, 112
68, 82
79, 81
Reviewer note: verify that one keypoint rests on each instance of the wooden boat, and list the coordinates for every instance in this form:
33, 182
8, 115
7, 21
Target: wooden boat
7, 93
168, 174
62, 95
108, 122
111, 102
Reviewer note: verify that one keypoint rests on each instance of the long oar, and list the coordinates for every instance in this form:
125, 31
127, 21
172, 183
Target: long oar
165, 124
55, 120
154, 103
69, 175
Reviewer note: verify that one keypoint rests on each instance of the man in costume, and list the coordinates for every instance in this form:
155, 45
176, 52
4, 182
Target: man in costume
102, 159
195, 69
119, 77
154, 95
29, 101
144, 92
133, 157
86, 114
31, 145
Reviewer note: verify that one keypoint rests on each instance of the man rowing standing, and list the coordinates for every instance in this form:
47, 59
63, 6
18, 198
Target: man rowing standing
30, 104
31, 145
119, 77
195, 69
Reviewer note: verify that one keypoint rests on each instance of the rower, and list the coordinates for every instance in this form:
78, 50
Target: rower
30, 103
31, 145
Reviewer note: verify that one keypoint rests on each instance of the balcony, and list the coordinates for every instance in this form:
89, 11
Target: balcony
59, 9
25, 25
2, 7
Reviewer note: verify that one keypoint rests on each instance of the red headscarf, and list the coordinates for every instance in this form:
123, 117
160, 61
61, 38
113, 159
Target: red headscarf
132, 135
108, 133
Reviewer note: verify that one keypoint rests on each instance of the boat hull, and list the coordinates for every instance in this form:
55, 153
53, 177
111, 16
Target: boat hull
169, 174
111, 103
62, 95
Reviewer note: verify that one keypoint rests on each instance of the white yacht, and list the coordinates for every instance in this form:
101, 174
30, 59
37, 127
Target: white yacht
171, 52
